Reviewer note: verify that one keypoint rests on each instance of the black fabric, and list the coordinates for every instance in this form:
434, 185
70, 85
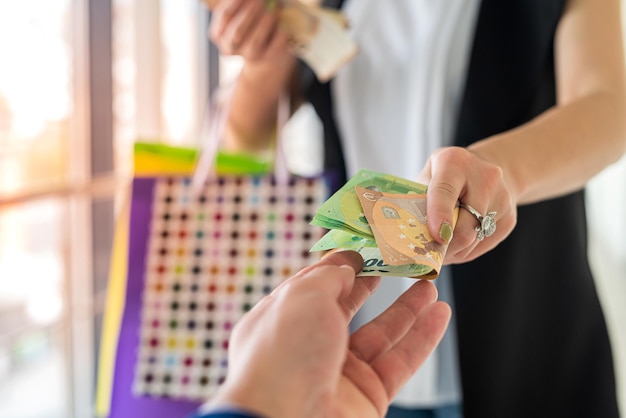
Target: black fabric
319, 95
531, 332
532, 337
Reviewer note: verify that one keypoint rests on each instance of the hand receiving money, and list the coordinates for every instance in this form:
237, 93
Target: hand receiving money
382, 217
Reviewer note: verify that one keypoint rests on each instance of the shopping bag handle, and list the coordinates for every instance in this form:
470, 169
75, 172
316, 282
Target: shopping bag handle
213, 128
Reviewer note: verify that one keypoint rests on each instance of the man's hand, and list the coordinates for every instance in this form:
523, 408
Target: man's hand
292, 356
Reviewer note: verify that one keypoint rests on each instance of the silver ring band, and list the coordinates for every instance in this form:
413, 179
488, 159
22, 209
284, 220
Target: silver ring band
487, 223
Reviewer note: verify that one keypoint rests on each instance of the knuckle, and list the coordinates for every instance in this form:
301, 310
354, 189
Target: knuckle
450, 153
445, 189
493, 176
214, 34
237, 35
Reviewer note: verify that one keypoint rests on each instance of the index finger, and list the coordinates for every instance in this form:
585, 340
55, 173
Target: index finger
340, 258
352, 292
363, 287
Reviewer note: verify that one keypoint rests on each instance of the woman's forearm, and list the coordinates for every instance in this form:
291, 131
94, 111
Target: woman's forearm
253, 112
561, 150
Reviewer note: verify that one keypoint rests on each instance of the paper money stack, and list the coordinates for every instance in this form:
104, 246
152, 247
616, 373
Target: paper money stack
383, 218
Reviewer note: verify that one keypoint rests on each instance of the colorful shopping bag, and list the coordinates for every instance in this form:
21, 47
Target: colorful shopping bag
197, 259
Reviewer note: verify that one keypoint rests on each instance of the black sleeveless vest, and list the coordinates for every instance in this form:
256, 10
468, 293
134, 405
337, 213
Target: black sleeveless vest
531, 332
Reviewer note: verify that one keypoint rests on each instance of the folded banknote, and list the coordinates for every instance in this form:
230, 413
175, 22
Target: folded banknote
382, 217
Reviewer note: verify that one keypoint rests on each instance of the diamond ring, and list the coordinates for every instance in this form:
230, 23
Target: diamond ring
487, 223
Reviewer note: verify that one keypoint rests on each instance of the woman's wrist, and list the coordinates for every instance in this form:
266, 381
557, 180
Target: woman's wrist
268, 74
485, 151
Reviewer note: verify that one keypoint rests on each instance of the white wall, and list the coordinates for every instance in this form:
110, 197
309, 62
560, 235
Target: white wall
606, 200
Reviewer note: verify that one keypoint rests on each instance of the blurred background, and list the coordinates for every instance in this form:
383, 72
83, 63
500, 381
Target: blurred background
80, 81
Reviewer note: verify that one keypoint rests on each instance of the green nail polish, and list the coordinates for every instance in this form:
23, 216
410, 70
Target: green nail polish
445, 232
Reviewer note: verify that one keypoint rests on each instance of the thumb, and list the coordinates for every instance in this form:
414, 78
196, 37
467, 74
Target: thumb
442, 204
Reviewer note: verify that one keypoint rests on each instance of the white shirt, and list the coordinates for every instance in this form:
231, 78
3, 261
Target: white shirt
395, 103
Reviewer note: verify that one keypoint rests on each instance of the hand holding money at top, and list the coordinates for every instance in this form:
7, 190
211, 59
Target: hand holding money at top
268, 29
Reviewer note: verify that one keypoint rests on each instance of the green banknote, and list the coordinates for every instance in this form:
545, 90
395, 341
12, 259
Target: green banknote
343, 210
336, 238
373, 265
344, 216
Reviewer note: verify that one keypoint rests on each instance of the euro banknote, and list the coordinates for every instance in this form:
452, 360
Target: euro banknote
343, 210
383, 218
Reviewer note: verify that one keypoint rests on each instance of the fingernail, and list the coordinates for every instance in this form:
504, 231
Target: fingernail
445, 232
332, 251
337, 250
270, 5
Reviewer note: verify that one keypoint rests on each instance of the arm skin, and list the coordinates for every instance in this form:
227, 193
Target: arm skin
556, 153
292, 355
247, 28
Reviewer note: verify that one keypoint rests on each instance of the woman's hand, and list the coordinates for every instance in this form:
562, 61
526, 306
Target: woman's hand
456, 175
249, 28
